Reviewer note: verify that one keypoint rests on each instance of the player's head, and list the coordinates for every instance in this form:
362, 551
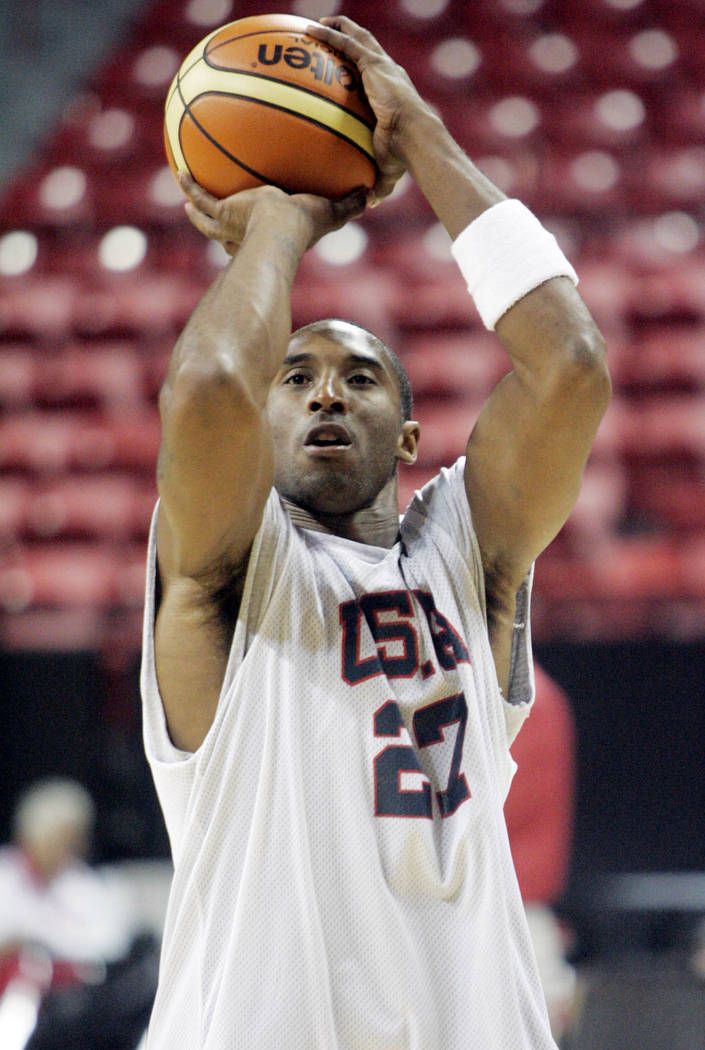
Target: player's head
340, 410
336, 328
53, 823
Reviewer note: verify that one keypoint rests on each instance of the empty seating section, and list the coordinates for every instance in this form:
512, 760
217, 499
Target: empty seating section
592, 113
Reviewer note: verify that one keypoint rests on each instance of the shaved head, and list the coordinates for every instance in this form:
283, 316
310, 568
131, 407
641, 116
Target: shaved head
341, 331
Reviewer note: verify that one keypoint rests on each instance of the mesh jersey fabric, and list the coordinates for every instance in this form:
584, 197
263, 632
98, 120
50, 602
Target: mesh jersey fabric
342, 873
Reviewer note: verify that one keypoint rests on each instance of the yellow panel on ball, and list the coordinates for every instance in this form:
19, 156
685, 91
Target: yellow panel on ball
259, 101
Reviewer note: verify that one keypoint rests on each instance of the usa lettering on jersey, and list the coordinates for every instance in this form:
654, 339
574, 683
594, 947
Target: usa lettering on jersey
390, 618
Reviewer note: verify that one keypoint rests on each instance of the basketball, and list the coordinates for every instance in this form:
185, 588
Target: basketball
258, 101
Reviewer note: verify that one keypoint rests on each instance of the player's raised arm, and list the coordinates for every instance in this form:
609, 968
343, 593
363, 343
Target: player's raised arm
216, 459
215, 463
526, 454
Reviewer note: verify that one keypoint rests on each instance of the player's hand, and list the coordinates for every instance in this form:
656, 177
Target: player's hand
227, 220
389, 90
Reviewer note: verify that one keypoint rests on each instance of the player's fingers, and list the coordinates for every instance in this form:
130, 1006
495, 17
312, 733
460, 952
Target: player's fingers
382, 188
350, 206
202, 200
346, 45
351, 29
205, 224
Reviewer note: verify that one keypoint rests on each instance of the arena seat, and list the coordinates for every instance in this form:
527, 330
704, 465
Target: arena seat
104, 375
615, 119
668, 497
445, 426
51, 195
442, 363
144, 304
669, 177
109, 506
18, 367
680, 115
668, 427
586, 183
667, 358
60, 628
608, 286
671, 292
37, 308
54, 442
15, 496
507, 125
534, 62
35, 442
69, 575
128, 441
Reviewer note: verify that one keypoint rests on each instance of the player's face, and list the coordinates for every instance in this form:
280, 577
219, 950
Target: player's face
335, 414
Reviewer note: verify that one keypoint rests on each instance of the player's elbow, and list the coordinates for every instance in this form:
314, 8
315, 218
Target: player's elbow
204, 388
584, 372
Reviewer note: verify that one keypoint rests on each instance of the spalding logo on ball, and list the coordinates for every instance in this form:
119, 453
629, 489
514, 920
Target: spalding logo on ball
258, 101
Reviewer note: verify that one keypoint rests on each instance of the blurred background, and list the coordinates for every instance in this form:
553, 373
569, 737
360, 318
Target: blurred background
592, 113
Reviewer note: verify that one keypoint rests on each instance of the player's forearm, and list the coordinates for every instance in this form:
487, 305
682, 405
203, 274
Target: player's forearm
241, 327
456, 190
548, 327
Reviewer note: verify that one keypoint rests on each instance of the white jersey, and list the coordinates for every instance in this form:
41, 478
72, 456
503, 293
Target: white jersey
343, 879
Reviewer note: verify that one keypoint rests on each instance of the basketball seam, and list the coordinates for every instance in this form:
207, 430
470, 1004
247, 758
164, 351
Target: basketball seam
299, 87
184, 72
271, 105
226, 153
358, 133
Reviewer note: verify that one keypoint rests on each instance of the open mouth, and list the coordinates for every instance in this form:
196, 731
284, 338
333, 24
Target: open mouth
327, 436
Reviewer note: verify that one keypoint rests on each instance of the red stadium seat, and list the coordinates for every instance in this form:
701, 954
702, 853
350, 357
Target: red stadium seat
103, 506
670, 427
138, 304
587, 183
668, 499
108, 376
18, 368
469, 362
52, 442
669, 177
66, 575
15, 496
614, 119
445, 429
667, 358
84, 628
37, 308
36, 442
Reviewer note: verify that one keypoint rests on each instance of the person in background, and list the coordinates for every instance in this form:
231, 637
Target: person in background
68, 936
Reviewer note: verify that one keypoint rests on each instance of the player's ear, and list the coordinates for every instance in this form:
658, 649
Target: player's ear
408, 442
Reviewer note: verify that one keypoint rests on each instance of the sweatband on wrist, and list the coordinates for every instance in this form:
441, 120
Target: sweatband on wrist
504, 254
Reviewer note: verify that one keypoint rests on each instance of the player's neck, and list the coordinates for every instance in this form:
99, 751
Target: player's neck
375, 525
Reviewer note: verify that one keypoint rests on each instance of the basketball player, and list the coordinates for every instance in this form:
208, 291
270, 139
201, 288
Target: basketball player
329, 695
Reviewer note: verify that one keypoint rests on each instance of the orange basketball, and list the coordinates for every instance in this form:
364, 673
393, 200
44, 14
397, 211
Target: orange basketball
259, 101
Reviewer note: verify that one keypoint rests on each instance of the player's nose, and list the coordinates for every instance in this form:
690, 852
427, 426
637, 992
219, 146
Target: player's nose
328, 395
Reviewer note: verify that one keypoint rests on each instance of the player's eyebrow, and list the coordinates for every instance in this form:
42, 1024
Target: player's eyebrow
351, 359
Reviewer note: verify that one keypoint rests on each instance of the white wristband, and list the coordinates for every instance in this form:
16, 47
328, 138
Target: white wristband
504, 254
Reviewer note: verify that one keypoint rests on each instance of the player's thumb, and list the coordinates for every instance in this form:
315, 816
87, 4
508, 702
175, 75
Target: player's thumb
351, 205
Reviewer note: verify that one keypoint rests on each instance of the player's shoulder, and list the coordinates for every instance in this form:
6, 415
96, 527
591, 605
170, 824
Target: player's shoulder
440, 503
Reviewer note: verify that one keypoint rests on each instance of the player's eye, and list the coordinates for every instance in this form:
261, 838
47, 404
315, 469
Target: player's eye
297, 378
361, 379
